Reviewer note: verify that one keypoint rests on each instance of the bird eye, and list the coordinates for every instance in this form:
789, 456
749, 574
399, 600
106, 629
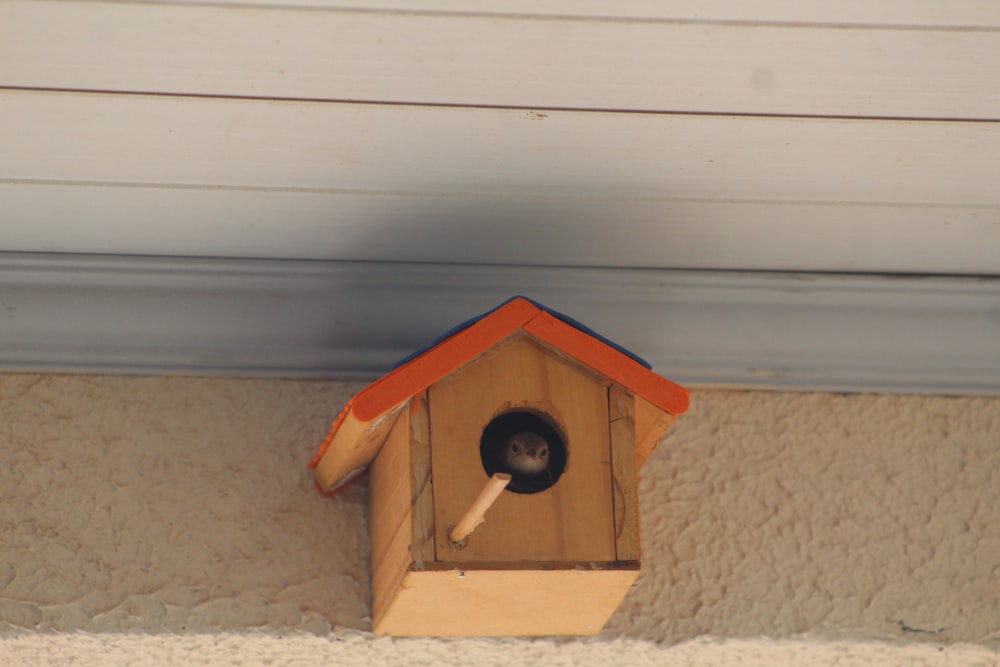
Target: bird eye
514, 448
544, 452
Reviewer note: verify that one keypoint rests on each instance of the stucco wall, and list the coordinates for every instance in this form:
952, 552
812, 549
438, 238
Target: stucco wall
174, 518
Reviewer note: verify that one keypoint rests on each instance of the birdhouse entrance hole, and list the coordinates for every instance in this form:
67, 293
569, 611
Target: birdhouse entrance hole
520, 441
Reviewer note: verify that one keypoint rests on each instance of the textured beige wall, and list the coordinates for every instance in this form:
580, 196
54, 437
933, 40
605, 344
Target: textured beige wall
860, 529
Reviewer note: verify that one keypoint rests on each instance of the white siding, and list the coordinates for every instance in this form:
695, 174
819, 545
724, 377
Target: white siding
593, 142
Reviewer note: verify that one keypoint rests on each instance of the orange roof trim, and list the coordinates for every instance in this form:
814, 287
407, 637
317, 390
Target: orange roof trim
518, 314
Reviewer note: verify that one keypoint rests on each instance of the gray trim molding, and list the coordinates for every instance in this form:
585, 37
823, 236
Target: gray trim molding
245, 317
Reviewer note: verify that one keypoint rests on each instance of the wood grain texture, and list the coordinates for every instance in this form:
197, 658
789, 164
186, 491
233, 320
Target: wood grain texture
624, 471
421, 483
476, 514
607, 363
572, 520
506, 602
278, 145
655, 232
651, 425
391, 516
500, 60
352, 448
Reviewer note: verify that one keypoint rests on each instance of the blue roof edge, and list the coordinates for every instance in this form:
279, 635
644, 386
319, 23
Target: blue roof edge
554, 313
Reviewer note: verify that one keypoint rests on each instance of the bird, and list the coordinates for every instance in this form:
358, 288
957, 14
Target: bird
526, 453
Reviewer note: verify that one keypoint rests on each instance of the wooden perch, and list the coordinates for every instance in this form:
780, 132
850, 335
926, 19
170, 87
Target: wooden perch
475, 514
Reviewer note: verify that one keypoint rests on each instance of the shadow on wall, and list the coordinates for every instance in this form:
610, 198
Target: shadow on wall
389, 269
528, 230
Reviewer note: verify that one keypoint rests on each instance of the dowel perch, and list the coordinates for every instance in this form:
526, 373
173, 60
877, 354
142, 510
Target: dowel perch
474, 515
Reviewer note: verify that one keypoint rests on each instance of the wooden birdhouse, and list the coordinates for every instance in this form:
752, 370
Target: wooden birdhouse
535, 410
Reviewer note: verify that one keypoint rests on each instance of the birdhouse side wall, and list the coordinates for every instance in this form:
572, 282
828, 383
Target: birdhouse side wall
624, 471
651, 425
401, 506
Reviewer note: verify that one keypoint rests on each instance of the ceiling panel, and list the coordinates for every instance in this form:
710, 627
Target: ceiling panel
497, 229
448, 156
954, 14
388, 148
738, 65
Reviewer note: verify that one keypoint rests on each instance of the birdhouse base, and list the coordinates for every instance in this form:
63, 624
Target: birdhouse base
451, 601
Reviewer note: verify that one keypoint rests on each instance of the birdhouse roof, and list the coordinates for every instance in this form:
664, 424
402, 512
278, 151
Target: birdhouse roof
354, 439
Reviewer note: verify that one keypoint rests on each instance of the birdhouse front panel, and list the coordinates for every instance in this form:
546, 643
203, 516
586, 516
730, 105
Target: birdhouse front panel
573, 519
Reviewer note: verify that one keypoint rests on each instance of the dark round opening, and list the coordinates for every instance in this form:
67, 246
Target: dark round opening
519, 442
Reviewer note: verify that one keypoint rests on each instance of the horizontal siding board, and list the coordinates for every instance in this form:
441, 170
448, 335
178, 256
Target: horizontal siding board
337, 319
645, 233
497, 60
933, 13
386, 148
